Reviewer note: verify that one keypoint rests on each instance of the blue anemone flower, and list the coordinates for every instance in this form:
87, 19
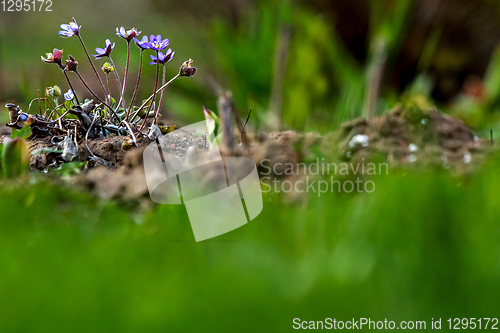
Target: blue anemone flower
69, 95
104, 52
143, 44
70, 29
162, 58
23, 116
156, 43
128, 35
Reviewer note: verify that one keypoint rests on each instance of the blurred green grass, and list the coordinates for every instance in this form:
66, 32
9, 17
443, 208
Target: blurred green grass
423, 245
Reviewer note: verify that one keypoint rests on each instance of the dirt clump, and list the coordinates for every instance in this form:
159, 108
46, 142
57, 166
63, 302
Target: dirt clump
410, 137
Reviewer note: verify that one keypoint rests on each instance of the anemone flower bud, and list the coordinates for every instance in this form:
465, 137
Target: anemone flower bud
165, 129
56, 91
127, 143
71, 64
107, 68
211, 119
186, 69
54, 58
128, 35
28, 119
53, 92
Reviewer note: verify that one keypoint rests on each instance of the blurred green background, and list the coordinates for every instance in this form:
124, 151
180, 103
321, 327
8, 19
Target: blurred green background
423, 245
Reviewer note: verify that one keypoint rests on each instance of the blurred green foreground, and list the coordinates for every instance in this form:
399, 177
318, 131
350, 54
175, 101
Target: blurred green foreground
421, 246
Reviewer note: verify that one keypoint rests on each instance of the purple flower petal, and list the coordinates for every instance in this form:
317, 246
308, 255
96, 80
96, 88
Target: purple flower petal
69, 95
65, 34
73, 26
69, 30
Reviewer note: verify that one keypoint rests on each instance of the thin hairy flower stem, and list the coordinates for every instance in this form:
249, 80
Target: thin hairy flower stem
131, 132
154, 94
71, 87
120, 89
87, 136
61, 117
126, 74
92, 64
136, 86
97, 97
107, 87
55, 110
36, 99
161, 96
101, 115
149, 98
40, 104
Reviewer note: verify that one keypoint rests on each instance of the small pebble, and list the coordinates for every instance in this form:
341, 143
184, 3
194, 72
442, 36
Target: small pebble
467, 157
172, 146
359, 139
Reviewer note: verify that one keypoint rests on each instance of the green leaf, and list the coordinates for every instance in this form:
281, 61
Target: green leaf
23, 133
15, 157
165, 129
68, 104
71, 168
1, 150
45, 150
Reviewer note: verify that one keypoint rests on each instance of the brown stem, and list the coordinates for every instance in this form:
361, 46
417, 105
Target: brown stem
126, 74
136, 85
71, 87
97, 97
92, 64
161, 96
154, 94
149, 98
120, 89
